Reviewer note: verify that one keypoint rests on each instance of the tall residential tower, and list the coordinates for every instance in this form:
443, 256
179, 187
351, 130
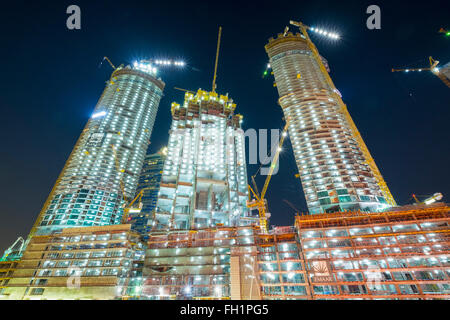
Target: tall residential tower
108, 156
204, 180
336, 169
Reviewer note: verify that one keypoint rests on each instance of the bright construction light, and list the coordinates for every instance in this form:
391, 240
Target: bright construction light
279, 149
284, 134
135, 64
328, 34
98, 114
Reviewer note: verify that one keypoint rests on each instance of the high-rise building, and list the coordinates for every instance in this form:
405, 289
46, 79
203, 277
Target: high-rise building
103, 168
149, 181
336, 169
204, 180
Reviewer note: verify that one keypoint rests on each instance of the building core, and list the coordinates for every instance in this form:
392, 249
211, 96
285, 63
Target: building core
204, 181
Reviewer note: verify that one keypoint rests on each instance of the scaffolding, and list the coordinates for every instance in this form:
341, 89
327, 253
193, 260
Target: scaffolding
213, 263
388, 255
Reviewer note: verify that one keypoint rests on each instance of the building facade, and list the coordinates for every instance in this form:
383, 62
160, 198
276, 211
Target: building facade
212, 263
204, 180
7, 269
393, 255
149, 182
92, 263
281, 267
108, 156
336, 169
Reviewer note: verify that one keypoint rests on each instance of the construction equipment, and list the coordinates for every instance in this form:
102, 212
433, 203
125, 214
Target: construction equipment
109, 61
259, 200
128, 205
435, 197
13, 248
292, 206
129, 208
185, 90
433, 68
217, 60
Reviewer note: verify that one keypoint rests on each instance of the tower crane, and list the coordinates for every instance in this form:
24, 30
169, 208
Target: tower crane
259, 201
12, 248
129, 208
109, 61
435, 197
433, 68
128, 205
292, 206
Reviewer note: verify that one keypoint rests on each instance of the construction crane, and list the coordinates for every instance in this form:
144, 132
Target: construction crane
185, 90
435, 197
12, 248
217, 60
129, 208
292, 206
433, 68
259, 201
109, 61
128, 205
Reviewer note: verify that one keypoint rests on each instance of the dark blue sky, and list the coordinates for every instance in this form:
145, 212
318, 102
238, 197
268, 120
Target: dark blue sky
51, 81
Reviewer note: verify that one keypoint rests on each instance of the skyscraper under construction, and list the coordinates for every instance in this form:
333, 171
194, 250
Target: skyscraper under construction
204, 181
103, 168
336, 169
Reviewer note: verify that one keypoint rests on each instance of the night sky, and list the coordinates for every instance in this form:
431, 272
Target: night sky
51, 81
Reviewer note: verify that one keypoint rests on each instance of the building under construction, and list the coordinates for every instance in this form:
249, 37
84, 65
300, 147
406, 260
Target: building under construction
204, 181
103, 169
336, 169
201, 241
75, 264
400, 254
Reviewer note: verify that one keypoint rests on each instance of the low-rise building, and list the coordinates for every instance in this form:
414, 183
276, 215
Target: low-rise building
76, 263
402, 254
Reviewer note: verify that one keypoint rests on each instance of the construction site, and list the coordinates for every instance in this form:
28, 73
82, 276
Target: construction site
195, 236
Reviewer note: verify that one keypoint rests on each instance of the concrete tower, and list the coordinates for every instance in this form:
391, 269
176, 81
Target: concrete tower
204, 180
336, 169
108, 156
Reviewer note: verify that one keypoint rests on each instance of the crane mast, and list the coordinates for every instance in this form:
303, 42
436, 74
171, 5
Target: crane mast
259, 200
